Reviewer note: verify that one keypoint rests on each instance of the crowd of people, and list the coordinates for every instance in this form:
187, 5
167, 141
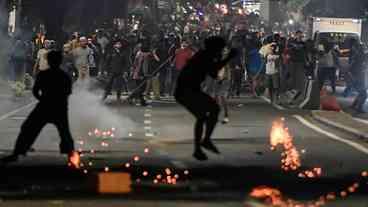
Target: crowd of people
146, 65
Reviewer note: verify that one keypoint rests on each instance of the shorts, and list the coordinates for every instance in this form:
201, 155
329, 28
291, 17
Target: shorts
222, 88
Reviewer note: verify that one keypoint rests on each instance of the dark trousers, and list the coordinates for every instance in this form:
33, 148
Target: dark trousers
237, 75
206, 111
164, 81
327, 73
120, 84
359, 85
174, 77
138, 93
36, 121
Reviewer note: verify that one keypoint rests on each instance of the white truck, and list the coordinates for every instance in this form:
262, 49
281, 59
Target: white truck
336, 27
338, 31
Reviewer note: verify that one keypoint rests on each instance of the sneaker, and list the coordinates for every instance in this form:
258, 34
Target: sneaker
208, 145
226, 120
200, 155
9, 159
74, 160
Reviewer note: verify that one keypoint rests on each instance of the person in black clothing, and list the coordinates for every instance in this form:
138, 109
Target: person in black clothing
188, 92
52, 89
297, 71
357, 61
117, 62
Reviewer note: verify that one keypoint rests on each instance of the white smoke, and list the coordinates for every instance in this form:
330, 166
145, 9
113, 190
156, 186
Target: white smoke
87, 112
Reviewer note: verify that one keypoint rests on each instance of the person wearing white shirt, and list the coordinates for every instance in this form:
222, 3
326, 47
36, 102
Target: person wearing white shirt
272, 73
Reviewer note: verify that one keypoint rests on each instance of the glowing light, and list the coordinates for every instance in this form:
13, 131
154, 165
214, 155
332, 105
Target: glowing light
107, 169
146, 150
168, 171
280, 136
136, 158
127, 165
186, 172
145, 174
74, 160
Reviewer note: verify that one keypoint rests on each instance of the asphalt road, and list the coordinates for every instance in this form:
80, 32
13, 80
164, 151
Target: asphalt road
153, 139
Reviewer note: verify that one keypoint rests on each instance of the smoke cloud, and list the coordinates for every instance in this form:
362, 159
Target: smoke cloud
87, 112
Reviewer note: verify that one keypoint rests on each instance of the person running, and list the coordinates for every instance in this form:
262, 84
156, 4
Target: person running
52, 89
188, 92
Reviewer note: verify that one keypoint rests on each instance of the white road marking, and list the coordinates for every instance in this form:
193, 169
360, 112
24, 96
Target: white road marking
335, 137
147, 115
149, 134
147, 122
11, 113
148, 128
275, 105
361, 120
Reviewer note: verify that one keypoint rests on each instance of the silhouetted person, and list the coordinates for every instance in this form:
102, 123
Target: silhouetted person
189, 94
52, 89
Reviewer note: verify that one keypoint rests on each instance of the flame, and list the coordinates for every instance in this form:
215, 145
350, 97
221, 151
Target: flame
74, 160
280, 136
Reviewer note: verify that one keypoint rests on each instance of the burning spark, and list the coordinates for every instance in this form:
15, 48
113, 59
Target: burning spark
74, 160
343, 194
146, 150
280, 136
136, 158
104, 144
168, 171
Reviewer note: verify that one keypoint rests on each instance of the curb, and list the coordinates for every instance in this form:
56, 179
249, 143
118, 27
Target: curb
341, 126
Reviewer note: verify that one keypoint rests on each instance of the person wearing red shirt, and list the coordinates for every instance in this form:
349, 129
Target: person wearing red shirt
182, 56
